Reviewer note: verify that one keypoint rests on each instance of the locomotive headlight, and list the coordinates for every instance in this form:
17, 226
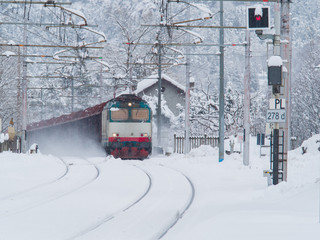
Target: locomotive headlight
130, 104
115, 134
144, 134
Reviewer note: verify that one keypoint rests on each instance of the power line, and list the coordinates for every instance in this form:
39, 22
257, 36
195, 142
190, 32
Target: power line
48, 46
191, 44
46, 56
46, 24
193, 26
47, 3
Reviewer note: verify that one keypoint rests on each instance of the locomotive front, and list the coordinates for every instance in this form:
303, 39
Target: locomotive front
127, 127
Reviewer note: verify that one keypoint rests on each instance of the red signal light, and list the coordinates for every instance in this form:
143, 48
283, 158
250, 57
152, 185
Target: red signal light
258, 17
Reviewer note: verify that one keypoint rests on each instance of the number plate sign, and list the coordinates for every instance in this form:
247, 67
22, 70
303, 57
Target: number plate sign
276, 115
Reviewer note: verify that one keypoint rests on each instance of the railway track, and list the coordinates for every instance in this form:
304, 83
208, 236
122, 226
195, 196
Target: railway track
17, 194
150, 200
64, 214
109, 217
122, 223
186, 207
61, 186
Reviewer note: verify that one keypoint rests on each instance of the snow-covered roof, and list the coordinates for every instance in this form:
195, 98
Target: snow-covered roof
150, 81
153, 79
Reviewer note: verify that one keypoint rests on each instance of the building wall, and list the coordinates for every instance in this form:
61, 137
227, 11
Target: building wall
172, 95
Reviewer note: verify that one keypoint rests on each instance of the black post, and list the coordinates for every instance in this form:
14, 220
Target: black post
275, 168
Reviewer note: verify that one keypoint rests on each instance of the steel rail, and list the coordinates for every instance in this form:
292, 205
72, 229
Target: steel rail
186, 208
58, 196
109, 217
40, 185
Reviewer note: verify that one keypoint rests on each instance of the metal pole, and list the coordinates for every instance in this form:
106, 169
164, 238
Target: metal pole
187, 95
246, 102
277, 18
100, 82
221, 93
159, 95
72, 94
276, 52
19, 101
42, 108
129, 68
287, 55
24, 92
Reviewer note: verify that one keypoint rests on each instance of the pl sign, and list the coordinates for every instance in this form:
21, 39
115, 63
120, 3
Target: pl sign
277, 103
277, 111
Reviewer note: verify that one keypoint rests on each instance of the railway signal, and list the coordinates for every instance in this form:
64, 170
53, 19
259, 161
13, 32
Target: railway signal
275, 73
258, 17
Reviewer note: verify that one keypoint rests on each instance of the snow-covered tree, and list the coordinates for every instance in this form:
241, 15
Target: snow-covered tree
9, 84
204, 111
306, 94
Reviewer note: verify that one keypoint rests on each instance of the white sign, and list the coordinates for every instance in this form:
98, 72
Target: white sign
277, 103
276, 115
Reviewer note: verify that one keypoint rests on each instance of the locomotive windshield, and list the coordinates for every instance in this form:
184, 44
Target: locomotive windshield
132, 114
119, 114
141, 114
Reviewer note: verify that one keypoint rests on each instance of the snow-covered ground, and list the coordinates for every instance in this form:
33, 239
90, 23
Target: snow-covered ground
175, 197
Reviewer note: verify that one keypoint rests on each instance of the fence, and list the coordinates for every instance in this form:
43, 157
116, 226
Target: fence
195, 142
13, 146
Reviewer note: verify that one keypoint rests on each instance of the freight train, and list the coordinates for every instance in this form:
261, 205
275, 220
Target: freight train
122, 126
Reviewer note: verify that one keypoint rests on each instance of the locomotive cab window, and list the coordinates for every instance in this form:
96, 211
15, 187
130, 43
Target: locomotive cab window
119, 114
140, 114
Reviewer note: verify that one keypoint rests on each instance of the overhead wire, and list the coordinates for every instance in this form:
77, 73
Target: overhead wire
37, 34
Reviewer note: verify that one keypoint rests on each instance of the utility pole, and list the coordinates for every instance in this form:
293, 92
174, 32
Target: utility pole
276, 94
187, 94
24, 90
275, 78
19, 101
159, 94
246, 102
286, 52
72, 94
163, 9
221, 87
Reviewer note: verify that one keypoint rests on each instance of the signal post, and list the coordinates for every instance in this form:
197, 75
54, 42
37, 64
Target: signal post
258, 19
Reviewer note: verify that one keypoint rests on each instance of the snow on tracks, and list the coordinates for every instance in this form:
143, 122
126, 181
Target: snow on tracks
98, 199
73, 179
170, 195
19, 175
113, 186
116, 212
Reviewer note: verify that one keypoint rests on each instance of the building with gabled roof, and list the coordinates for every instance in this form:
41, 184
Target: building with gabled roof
172, 91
